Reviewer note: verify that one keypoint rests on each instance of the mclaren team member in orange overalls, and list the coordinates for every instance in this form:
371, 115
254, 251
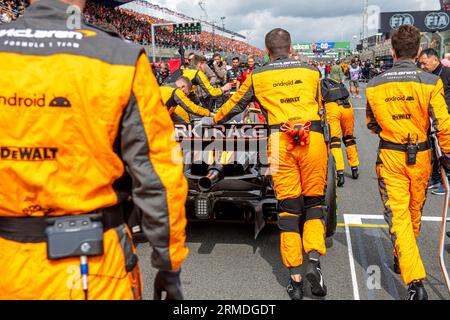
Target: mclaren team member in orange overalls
72, 117
400, 103
175, 98
341, 118
289, 94
196, 73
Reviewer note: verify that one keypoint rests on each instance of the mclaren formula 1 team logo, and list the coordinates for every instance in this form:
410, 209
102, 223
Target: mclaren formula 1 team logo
47, 34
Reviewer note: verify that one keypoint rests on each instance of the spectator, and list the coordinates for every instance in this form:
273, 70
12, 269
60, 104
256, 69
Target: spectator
234, 75
327, 70
446, 60
429, 61
219, 69
321, 69
251, 67
336, 72
355, 75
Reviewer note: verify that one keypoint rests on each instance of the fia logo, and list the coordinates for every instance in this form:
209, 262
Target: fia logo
437, 21
400, 19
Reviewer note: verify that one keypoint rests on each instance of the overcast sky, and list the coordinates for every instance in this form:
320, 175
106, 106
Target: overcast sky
307, 20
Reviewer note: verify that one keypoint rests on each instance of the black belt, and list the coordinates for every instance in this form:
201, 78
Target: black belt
316, 126
423, 146
32, 229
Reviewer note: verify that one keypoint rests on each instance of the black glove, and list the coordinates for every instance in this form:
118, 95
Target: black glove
445, 161
169, 282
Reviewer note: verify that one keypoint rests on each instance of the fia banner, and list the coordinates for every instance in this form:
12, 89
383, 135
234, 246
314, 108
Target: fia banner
426, 21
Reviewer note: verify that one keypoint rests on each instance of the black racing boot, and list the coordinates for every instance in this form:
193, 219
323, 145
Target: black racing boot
340, 179
315, 278
295, 290
397, 266
416, 291
355, 173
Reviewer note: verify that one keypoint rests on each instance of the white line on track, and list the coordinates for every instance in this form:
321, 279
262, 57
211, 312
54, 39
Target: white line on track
352, 261
357, 218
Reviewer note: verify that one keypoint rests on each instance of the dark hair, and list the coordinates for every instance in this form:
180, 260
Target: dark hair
278, 42
217, 55
430, 52
236, 58
406, 41
197, 59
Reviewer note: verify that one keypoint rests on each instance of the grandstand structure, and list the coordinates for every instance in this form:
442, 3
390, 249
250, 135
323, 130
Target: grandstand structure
133, 20
219, 39
148, 8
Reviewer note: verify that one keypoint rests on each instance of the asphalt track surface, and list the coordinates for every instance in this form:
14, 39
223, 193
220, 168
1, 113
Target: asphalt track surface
227, 263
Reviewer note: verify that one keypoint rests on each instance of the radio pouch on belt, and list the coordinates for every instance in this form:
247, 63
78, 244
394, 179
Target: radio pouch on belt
298, 132
411, 152
75, 236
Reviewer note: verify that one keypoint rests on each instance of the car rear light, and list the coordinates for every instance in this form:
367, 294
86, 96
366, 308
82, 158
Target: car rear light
202, 208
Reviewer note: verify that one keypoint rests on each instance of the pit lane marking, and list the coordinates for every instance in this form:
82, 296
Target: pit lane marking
352, 262
355, 220
365, 225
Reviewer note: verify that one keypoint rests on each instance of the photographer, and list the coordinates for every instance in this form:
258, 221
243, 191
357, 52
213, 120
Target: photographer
162, 74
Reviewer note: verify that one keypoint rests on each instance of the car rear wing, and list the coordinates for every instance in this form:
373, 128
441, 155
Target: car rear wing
198, 142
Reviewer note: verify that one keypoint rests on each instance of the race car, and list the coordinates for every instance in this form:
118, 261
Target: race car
228, 173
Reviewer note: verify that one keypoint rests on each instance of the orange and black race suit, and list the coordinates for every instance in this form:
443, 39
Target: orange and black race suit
76, 107
400, 104
179, 105
288, 91
198, 78
341, 118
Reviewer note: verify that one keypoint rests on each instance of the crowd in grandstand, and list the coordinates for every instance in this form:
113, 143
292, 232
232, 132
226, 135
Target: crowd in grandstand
11, 10
136, 27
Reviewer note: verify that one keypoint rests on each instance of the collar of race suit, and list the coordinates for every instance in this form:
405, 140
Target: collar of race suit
281, 58
48, 9
404, 63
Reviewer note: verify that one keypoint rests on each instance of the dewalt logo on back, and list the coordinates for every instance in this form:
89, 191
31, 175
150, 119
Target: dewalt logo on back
290, 100
39, 101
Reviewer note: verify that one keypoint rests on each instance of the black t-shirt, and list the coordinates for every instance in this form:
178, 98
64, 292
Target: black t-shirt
444, 74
